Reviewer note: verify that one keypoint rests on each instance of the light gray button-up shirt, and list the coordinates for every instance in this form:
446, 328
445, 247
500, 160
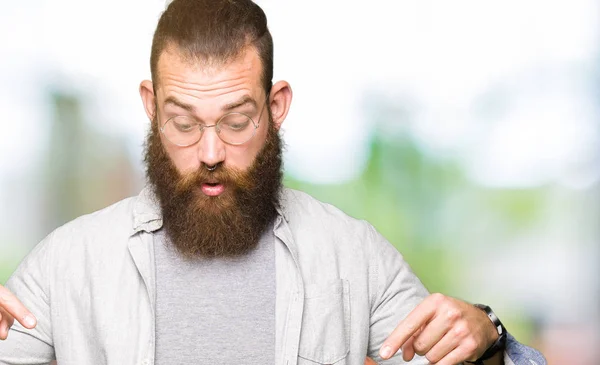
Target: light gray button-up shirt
341, 289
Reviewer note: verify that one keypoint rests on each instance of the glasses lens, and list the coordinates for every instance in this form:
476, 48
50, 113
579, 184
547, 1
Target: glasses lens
236, 128
182, 131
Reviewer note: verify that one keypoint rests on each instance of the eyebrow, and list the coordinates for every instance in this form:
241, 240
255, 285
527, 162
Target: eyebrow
243, 101
173, 101
228, 107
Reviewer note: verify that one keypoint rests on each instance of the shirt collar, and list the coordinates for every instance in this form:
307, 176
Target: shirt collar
147, 216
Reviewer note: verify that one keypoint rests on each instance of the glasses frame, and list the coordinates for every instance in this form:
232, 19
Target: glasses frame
203, 127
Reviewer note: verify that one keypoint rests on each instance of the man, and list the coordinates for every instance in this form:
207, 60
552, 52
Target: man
215, 262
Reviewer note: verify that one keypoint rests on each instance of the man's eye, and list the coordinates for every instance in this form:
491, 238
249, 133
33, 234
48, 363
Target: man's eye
237, 126
184, 127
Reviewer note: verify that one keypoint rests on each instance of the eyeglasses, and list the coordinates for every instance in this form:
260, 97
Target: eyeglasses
232, 128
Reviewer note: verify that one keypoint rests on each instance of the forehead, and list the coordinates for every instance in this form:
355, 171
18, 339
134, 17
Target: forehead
206, 78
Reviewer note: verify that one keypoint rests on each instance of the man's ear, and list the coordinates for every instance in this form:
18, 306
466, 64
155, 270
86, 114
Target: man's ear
280, 101
148, 98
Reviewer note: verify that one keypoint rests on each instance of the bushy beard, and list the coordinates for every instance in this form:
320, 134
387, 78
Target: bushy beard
230, 224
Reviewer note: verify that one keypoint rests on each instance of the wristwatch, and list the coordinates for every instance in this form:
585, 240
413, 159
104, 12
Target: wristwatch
500, 343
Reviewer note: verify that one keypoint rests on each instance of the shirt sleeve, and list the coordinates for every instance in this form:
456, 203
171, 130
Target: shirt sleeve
518, 354
30, 284
395, 292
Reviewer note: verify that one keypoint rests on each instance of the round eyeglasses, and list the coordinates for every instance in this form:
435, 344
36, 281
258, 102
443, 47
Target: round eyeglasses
232, 128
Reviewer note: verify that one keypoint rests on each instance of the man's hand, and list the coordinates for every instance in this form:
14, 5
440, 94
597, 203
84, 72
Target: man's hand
10, 309
445, 330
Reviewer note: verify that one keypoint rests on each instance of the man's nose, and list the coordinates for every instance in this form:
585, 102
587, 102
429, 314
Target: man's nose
211, 150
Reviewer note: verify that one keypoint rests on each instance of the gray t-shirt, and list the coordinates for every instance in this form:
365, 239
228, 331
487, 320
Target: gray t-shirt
215, 311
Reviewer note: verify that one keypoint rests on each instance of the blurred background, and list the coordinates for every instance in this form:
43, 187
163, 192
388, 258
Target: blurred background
467, 132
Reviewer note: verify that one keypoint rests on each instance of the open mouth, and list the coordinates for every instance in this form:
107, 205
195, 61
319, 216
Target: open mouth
212, 188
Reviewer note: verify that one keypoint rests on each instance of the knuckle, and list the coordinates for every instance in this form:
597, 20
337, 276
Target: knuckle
420, 352
460, 331
420, 347
5, 302
432, 357
470, 345
453, 314
438, 298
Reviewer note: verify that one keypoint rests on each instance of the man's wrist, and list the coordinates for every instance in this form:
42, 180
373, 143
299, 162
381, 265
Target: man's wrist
500, 344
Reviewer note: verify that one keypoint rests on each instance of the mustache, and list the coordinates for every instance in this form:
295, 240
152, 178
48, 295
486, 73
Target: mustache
229, 176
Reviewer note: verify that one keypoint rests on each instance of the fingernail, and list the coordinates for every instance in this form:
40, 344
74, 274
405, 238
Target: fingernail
385, 352
29, 320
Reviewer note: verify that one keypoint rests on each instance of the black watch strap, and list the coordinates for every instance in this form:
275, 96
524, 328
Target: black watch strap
500, 343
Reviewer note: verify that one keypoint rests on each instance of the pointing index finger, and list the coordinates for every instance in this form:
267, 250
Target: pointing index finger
11, 305
415, 320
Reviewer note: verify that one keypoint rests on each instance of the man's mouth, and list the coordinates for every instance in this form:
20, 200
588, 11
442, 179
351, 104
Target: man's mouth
213, 189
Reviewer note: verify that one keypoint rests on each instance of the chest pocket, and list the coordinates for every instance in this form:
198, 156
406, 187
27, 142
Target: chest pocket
325, 333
